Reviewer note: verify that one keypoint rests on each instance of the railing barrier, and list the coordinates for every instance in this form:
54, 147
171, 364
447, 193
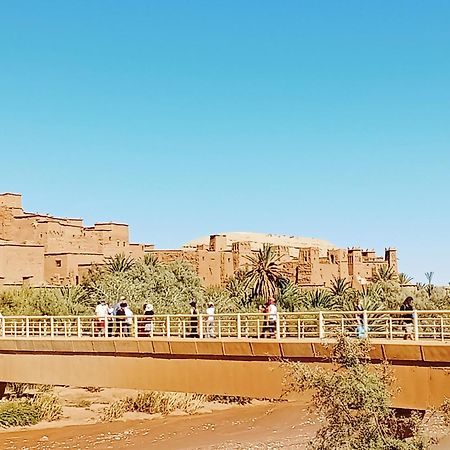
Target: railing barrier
422, 325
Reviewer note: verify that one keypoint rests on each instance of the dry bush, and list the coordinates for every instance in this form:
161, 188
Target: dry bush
154, 402
82, 404
92, 389
117, 409
229, 399
445, 409
48, 406
18, 390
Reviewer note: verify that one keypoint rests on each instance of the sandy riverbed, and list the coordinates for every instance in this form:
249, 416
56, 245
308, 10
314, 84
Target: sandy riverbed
261, 425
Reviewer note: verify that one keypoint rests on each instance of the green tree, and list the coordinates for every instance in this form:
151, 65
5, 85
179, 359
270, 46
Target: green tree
289, 297
404, 279
341, 290
238, 290
319, 299
355, 402
384, 273
265, 273
119, 263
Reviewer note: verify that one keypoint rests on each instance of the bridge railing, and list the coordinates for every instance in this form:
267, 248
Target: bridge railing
419, 325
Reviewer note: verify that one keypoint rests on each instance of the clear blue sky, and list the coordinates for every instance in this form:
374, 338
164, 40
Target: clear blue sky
185, 118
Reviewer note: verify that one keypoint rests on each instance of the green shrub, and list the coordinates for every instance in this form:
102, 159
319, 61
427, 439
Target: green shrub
18, 413
22, 412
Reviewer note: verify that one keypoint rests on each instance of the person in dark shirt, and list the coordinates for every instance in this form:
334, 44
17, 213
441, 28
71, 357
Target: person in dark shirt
408, 318
194, 320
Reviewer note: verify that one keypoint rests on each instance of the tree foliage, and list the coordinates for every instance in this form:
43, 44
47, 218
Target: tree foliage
355, 402
265, 273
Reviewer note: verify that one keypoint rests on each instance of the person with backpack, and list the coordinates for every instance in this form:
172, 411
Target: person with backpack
121, 322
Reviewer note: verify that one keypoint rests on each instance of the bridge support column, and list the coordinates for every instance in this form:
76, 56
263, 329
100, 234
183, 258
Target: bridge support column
2, 389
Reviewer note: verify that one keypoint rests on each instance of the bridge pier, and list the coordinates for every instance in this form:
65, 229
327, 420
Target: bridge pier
2, 389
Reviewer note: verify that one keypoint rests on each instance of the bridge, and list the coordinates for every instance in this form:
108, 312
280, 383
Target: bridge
234, 354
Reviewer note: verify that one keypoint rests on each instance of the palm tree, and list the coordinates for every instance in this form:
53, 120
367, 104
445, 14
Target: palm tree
429, 287
320, 300
150, 260
238, 290
403, 278
384, 273
289, 297
370, 297
340, 287
265, 273
119, 263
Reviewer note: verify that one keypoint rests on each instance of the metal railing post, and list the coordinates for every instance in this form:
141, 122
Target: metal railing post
135, 324
79, 328
168, 326
200, 325
321, 326
365, 324
416, 325
239, 333
27, 326
52, 327
277, 327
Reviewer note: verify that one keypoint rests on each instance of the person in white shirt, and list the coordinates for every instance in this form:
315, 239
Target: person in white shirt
128, 320
272, 313
210, 310
101, 311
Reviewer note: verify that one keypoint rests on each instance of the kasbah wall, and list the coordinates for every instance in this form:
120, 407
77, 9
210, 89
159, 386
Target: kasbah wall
42, 250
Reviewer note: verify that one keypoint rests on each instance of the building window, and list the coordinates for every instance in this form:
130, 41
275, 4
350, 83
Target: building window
58, 263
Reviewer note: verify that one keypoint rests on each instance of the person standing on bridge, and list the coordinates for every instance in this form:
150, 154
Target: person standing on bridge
194, 320
148, 322
272, 316
408, 319
360, 329
210, 320
121, 322
101, 311
129, 319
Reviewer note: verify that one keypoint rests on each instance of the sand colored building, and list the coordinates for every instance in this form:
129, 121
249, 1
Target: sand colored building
39, 250
309, 262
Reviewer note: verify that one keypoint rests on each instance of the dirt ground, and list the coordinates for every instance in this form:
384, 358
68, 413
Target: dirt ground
262, 425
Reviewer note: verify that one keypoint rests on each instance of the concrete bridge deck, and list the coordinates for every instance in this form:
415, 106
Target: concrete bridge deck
245, 367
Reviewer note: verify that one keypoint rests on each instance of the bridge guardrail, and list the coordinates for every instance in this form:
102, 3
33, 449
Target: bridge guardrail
424, 325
